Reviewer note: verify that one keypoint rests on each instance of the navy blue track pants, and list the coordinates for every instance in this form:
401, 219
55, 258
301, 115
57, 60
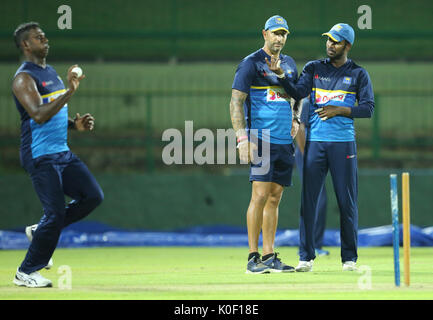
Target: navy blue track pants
53, 177
340, 159
320, 224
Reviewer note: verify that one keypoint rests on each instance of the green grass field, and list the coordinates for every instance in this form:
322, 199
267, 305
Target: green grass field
168, 273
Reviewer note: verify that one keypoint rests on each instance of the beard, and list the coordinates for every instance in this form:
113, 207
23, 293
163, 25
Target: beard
337, 56
276, 47
41, 53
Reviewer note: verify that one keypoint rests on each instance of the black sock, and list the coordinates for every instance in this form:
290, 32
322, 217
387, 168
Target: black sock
266, 257
253, 254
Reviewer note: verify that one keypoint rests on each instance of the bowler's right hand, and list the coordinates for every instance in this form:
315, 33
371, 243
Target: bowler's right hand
73, 80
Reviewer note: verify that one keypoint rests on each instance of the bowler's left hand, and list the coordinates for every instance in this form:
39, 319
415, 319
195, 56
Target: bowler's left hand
85, 122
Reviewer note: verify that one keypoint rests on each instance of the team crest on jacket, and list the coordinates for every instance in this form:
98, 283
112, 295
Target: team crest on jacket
347, 80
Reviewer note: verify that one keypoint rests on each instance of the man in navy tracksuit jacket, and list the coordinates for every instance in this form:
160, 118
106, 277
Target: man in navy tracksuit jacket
333, 86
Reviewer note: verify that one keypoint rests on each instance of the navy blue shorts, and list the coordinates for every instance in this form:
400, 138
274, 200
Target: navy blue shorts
280, 164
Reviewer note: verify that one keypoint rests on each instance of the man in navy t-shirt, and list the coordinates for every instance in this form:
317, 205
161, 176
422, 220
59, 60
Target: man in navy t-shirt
41, 99
333, 86
265, 120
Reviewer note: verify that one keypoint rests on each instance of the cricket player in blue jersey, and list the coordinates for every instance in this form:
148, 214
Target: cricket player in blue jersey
41, 99
262, 115
333, 86
320, 224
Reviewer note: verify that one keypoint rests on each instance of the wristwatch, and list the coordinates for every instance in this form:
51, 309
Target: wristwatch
297, 119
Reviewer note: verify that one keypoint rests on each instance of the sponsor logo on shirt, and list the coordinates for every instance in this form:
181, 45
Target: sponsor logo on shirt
47, 83
317, 77
323, 97
276, 94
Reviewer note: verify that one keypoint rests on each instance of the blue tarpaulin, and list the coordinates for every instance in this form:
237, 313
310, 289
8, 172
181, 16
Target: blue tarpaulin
94, 234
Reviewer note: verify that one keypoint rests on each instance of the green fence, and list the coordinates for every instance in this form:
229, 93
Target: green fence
217, 30
134, 103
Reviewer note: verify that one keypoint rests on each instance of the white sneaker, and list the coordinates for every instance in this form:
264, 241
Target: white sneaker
32, 280
349, 266
304, 266
29, 233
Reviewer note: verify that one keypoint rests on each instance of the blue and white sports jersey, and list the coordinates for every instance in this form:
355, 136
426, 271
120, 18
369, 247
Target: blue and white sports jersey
267, 105
325, 85
49, 137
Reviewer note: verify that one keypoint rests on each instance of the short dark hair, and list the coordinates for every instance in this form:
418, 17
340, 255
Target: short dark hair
22, 31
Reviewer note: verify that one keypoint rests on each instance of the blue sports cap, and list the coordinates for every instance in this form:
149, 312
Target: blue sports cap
341, 31
275, 23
